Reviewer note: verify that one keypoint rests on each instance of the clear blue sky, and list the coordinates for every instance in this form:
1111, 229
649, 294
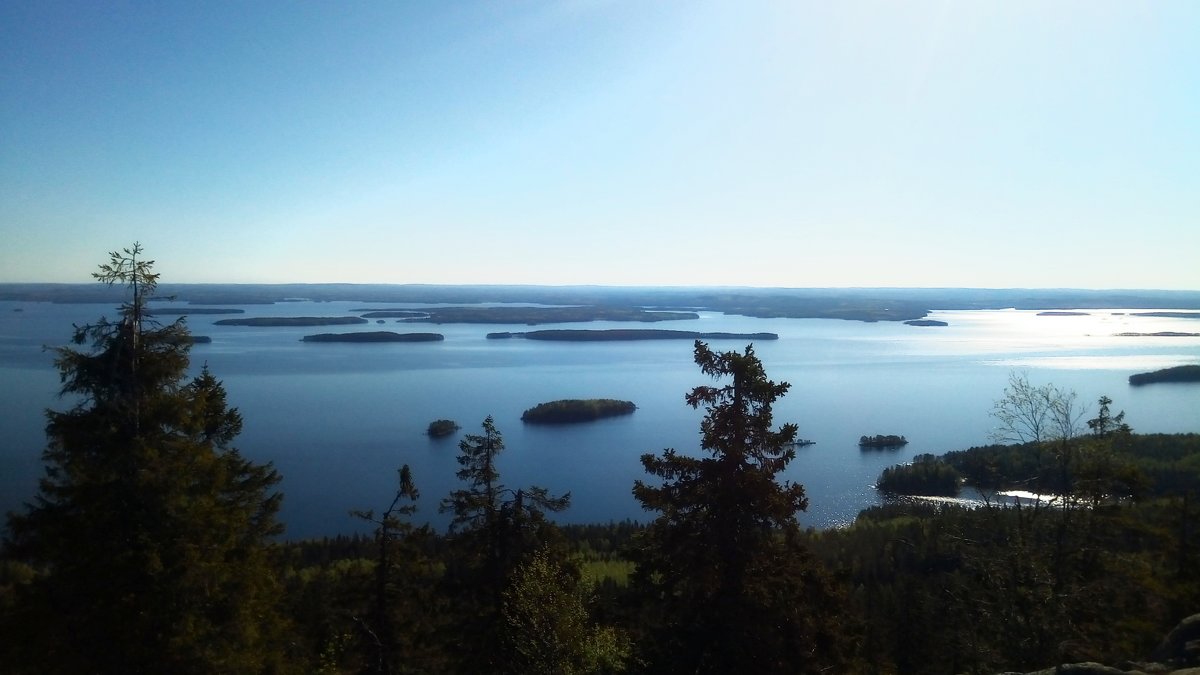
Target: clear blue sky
788, 143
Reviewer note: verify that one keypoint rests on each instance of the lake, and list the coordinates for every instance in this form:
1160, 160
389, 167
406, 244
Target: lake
338, 420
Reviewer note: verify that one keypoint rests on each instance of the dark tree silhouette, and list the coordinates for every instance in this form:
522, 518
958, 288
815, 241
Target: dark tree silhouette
731, 586
149, 530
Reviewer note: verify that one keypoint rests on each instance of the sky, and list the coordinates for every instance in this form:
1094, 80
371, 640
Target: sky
786, 144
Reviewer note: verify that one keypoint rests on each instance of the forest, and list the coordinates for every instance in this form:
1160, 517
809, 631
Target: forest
153, 545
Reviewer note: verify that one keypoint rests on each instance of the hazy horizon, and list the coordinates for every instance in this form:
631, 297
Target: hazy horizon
563, 143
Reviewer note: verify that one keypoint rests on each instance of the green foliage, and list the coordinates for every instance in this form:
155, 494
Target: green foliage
546, 624
726, 581
149, 530
926, 475
577, 410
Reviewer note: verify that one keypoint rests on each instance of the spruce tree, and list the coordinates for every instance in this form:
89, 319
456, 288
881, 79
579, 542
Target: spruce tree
149, 531
727, 583
398, 629
494, 530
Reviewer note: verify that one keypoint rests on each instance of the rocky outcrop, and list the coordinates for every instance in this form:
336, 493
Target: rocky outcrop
1178, 654
1182, 645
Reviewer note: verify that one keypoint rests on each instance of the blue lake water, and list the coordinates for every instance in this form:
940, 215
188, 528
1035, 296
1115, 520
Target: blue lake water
339, 419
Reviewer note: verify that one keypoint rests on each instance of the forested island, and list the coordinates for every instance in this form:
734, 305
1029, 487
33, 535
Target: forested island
1062, 313
184, 311
390, 313
1170, 315
292, 321
533, 316
626, 334
441, 428
1189, 373
374, 336
570, 411
1163, 333
925, 322
882, 441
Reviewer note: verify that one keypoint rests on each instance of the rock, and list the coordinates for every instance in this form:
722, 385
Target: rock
1181, 647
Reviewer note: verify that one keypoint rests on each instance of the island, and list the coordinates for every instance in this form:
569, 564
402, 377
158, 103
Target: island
1162, 333
626, 334
925, 322
1061, 313
882, 441
374, 336
801, 442
1176, 374
184, 311
440, 428
569, 411
532, 316
292, 321
1170, 315
188, 339
391, 314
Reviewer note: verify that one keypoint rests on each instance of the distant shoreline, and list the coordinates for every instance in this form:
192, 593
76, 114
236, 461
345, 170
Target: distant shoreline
547, 304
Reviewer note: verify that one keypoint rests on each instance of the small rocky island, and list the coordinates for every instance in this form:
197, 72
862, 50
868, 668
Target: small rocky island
925, 322
882, 441
441, 428
261, 321
570, 411
374, 336
1176, 374
627, 334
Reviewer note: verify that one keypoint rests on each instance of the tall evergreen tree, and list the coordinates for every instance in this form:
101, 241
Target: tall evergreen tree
729, 585
398, 630
494, 530
149, 531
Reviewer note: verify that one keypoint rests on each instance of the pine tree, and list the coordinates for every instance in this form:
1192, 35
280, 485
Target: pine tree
149, 531
727, 581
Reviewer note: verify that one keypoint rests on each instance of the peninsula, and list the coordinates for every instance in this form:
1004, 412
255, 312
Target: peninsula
1189, 373
374, 336
627, 334
292, 321
569, 411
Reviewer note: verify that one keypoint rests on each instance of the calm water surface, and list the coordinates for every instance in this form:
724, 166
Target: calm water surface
339, 419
